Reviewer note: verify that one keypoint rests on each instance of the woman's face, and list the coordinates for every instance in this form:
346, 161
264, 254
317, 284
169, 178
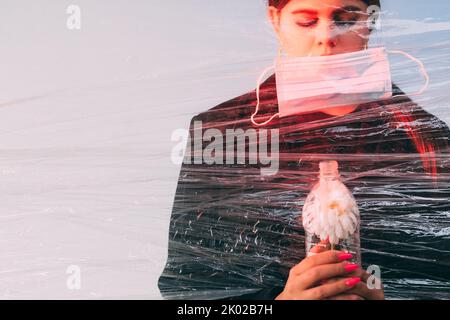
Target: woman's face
321, 27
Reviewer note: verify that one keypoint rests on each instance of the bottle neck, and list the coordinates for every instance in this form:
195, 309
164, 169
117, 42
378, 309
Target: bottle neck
329, 177
329, 170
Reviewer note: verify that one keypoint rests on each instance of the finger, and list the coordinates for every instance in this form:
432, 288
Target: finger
336, 279
370, 287
362, 274
359, 273
322, 246
346, 296
326, 257
364, 291
317, 274
370, 278
329, 290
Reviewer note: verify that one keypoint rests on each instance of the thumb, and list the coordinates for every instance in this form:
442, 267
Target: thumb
322, 246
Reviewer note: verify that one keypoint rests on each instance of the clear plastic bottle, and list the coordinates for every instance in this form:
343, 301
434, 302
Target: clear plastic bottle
331, 216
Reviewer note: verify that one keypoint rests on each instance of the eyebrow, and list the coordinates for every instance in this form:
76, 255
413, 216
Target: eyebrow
349, 9
337, 10
308, 11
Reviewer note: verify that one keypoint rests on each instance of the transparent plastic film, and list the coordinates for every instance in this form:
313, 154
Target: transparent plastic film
149, 149
250, 197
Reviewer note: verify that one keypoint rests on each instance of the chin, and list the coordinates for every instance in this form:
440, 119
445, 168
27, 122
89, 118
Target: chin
339, 111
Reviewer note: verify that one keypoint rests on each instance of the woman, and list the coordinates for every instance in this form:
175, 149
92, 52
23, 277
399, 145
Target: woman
235, 234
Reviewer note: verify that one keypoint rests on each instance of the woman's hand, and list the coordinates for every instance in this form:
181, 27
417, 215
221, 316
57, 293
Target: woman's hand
306, 279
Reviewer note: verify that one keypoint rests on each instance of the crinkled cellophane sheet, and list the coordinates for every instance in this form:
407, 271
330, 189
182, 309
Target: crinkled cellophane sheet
234, 233
87, 178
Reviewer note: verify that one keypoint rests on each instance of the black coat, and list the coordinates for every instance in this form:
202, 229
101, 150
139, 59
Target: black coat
235, 234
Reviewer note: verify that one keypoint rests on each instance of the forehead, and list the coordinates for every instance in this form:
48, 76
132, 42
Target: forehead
325, 6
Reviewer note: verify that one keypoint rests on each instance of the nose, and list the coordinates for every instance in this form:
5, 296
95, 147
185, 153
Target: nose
326, 38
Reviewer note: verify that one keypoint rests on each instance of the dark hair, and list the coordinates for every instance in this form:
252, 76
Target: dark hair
280, 4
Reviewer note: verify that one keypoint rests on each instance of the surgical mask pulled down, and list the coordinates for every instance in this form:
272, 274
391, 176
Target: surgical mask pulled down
308, 84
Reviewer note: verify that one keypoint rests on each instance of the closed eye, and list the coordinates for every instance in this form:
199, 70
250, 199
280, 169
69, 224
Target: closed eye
307, 23
349, 22
348, 16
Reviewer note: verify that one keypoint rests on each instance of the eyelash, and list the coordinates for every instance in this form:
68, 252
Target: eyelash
338, 23
307, 24
346, 23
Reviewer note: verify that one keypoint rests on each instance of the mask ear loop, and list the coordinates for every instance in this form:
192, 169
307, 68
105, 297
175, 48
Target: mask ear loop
258, 85
422, 69
258, 101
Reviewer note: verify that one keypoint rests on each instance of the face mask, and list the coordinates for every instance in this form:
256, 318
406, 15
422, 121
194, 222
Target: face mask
308, 84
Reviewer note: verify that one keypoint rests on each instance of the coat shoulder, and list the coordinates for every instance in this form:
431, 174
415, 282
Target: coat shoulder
240, 108
235, 109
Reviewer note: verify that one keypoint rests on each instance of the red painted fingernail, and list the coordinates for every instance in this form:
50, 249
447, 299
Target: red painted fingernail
352, 282
345, 256
351, 267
